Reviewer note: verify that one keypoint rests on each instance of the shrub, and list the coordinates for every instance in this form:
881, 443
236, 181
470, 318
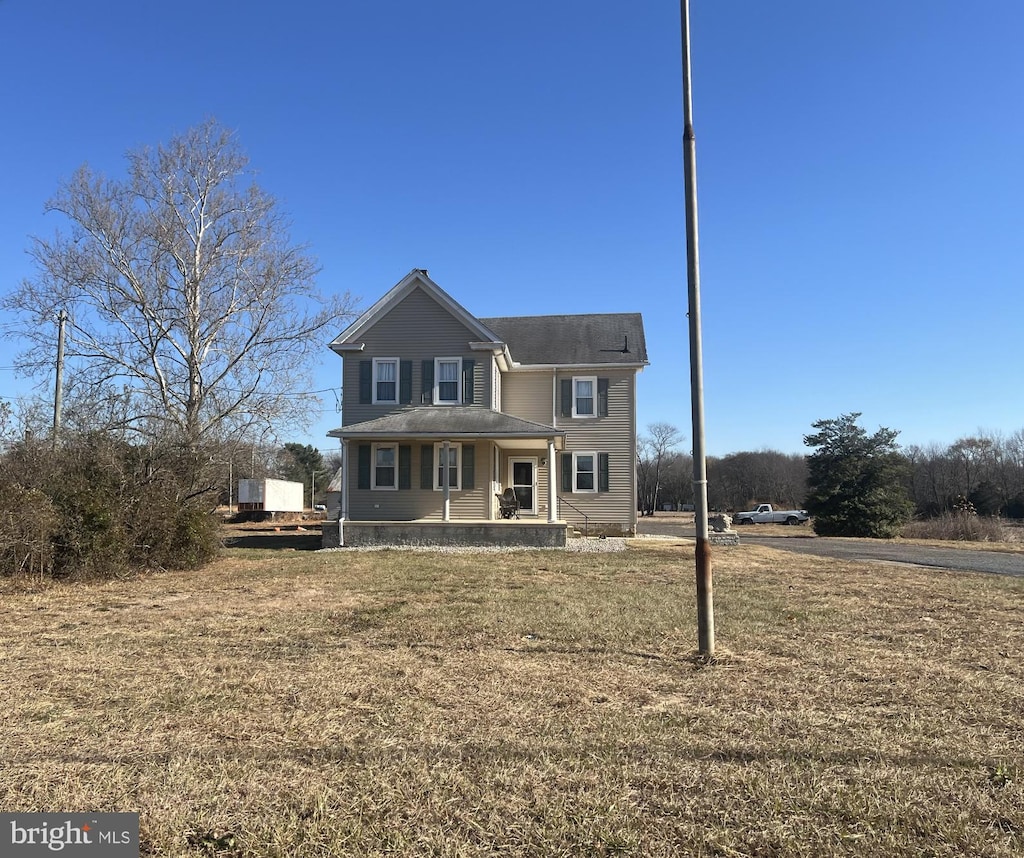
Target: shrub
959, 527
28, 522
99, 507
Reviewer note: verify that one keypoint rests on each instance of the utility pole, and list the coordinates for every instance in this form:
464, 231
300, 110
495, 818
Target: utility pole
705, 591
58, 390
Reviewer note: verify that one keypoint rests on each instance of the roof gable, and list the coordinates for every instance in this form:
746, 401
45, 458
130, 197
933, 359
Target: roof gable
349, 339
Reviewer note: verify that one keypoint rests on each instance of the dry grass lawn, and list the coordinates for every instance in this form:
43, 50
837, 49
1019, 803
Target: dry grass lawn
541, 703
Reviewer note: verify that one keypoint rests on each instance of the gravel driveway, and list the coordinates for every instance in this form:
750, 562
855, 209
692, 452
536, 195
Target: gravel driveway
954, 559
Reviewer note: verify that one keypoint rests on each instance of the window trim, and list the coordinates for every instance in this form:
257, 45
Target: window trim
373, 468
375, 381
438, 449
437, 381
575, 472
593, 398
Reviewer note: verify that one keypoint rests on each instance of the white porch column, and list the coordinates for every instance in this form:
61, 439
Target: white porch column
344, 480
343, 513
495, 457
446, 514
552, 493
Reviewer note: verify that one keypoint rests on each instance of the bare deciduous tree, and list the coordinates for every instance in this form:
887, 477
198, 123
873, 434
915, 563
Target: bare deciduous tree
191, 309
986, 469
653, 450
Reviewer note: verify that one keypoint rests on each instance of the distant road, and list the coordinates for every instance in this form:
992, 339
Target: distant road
954, 559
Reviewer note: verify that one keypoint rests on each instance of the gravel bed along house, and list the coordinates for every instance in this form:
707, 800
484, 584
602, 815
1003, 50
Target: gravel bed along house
581, 545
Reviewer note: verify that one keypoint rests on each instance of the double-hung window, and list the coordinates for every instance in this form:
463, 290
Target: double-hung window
584, 396
385, 380
452, 464
448, 381
385, 466
584, 472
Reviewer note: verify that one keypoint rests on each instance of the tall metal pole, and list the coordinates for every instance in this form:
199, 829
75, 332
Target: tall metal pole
58, 388
705, 592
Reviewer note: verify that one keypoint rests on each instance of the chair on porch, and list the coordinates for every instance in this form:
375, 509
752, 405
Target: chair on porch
508, 503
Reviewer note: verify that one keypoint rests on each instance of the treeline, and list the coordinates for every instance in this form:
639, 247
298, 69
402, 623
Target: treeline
984, 470
735, 481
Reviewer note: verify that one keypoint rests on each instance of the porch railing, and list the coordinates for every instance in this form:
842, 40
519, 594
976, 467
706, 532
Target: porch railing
586, 518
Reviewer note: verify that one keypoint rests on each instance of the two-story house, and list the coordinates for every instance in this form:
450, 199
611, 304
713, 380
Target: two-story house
443, 412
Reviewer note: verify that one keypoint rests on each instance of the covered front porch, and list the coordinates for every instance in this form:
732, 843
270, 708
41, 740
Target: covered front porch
434, 476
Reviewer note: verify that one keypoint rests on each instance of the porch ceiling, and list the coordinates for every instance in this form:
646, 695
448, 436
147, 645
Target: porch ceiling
540, 444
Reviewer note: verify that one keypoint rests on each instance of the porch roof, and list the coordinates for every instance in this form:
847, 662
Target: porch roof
455, 422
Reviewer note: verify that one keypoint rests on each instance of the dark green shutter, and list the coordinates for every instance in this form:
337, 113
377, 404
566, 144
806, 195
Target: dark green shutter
428, 383
602, 397
468, 371
364, 466
365, 381
468, 467
602, 472
566, 472
404, 466
566, 410
405, 382
427, 466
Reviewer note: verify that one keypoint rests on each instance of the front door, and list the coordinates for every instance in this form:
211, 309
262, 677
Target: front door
522, 476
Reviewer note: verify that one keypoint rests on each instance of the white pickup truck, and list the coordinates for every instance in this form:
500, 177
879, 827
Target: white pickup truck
765, 514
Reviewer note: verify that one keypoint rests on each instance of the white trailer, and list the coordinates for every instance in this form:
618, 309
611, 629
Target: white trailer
270, 496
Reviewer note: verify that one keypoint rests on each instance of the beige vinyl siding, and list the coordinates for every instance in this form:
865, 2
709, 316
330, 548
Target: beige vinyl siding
528, 395
615, 435
416, 329
402, 505
415, 503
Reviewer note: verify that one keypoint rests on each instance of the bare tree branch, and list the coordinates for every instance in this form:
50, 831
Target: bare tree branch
187, 298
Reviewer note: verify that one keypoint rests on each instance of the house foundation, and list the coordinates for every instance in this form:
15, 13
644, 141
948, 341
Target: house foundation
510, 534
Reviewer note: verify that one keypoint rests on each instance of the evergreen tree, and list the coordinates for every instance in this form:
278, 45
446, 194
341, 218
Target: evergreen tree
304, 464
856, 481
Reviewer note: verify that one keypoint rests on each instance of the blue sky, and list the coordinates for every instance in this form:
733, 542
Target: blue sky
860, 171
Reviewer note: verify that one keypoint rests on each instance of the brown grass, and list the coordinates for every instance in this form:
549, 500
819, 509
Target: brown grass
548, 704
960, 527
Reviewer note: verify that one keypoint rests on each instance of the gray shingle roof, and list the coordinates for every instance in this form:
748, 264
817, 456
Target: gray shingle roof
450, 422
574, 340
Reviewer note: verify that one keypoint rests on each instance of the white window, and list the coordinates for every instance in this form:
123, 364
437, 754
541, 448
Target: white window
447, 381
453, 464
385, 466
584, 396
385, 379
584, 472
